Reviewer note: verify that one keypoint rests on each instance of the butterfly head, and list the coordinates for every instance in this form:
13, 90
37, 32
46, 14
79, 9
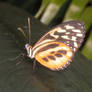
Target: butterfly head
29, 50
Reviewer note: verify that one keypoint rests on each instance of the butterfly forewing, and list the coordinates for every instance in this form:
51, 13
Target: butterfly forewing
56, 48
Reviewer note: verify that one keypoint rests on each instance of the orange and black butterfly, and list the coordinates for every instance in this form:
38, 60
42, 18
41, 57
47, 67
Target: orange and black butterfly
57, 47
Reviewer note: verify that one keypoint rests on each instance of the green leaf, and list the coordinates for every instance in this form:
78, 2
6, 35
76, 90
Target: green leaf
75, 9
42, 8
87, 49
50, 8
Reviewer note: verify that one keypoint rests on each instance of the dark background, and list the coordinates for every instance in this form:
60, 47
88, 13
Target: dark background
16, 73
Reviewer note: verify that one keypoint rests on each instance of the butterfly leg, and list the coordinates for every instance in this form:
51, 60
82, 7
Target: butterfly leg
34, 64
15, 58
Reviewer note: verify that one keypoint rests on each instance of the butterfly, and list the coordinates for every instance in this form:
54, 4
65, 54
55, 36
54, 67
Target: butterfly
56, 48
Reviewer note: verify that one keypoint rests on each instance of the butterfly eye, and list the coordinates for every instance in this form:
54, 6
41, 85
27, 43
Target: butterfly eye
27, 45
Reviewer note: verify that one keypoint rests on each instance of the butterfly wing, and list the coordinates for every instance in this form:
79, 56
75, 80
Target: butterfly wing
56, 48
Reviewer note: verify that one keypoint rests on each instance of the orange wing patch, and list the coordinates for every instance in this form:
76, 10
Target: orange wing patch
54, 55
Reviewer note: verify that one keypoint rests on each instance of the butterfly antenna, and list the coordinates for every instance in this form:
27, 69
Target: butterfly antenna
29, 31
21, 30
29, 38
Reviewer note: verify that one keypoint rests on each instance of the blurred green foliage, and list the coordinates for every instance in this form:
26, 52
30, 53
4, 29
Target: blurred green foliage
53, 12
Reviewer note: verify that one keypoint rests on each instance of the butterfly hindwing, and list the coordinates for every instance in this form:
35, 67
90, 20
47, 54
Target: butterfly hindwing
56, 48
54, 55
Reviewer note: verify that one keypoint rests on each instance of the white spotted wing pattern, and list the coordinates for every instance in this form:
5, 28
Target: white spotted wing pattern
57, 47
